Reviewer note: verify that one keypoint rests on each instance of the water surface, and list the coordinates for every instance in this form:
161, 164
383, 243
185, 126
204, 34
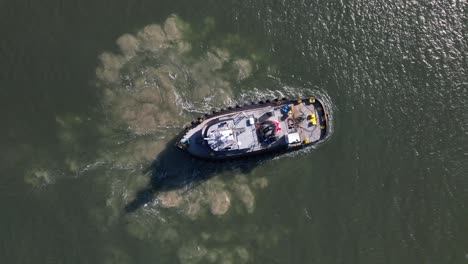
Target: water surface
93, 93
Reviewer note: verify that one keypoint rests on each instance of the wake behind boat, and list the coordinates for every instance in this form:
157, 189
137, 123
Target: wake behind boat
281, 125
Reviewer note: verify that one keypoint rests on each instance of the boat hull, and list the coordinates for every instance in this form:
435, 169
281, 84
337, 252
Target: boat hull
198, 147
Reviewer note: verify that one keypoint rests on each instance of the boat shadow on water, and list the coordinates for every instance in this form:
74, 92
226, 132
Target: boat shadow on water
174, 169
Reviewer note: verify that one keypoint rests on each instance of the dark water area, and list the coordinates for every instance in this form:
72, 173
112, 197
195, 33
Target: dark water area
92, 93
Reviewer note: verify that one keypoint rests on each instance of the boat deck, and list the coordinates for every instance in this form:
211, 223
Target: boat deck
236, 133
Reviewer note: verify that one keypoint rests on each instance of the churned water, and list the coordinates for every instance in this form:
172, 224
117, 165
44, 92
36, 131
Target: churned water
94, 93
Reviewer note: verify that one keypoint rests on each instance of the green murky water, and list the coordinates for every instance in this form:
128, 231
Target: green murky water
93, 94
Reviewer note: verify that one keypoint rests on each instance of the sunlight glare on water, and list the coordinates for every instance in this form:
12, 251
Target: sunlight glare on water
93, 96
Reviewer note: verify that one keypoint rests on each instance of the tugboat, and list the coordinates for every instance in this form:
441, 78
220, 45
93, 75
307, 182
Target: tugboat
270, 126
